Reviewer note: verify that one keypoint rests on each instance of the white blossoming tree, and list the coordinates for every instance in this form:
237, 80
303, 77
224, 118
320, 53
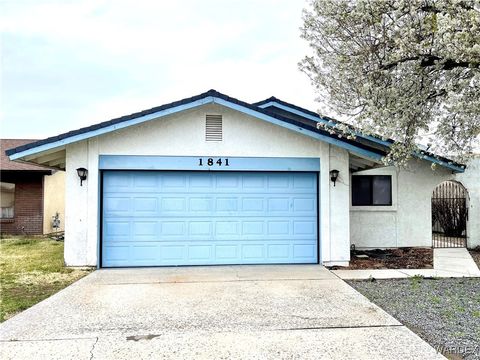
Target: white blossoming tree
405, 69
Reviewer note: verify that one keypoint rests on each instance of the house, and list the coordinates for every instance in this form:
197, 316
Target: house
214, 180
31, 195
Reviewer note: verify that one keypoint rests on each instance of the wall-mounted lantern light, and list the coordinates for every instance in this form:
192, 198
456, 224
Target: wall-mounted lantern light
82, 174
334, 176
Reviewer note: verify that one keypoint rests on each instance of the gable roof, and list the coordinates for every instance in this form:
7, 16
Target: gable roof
8, 165
292, 117
211, 96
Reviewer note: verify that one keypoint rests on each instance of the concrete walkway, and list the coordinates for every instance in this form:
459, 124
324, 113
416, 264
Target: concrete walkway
447, 263
221, 312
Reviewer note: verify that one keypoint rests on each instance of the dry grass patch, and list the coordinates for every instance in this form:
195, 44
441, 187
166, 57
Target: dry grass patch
31, 269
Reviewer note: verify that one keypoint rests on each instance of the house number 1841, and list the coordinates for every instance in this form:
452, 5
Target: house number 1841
213, 162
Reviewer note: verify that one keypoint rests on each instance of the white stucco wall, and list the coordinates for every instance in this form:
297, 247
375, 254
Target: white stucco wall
184, 135
408, 221
471, 180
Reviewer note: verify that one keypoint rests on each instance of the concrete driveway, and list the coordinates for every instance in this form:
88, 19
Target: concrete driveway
254, 312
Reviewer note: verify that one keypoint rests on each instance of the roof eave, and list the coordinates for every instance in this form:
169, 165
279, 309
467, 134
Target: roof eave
83, 136
210, 97
272, 101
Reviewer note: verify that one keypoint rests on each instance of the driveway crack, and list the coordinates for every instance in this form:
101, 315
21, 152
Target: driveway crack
93, 348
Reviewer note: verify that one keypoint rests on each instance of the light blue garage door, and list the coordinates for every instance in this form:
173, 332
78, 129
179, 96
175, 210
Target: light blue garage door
156, 218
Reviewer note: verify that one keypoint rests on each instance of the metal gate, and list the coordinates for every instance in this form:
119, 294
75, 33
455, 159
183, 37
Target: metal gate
449, 215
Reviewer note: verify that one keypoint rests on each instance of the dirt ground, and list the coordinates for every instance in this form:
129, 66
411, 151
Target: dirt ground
403, 258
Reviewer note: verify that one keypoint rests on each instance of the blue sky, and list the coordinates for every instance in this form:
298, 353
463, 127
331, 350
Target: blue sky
67, 64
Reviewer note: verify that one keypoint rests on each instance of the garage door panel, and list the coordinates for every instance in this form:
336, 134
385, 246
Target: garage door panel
227, 181
253, 228
190, 218
173, 181
200, 229
117, 206
173, 253
304, 183
226, 252
253, 204
201, 205
304, 227
199, 181
172, 228
145, 206
118, 183
144, 180
116, 253
146, 253
200, 252
279, 251
227, 228
278, 227
113, 229
145, 229
304, 251
254, 183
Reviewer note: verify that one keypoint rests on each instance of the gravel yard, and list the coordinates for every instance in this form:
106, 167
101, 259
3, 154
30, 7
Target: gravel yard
444, 312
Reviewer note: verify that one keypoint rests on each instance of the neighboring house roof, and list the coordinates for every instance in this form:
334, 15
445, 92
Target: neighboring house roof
272, 110
7, 164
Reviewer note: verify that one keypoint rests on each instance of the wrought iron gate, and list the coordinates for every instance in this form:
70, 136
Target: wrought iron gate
449, 215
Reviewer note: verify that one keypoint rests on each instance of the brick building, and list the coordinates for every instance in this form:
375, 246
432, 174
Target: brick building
22, 193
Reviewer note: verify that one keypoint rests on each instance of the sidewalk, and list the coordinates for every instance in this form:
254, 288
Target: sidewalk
447, 263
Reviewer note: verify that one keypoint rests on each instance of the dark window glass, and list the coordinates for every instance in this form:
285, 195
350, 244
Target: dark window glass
361, 191
371, 190
382, 190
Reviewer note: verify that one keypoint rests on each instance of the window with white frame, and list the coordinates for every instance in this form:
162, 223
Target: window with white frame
7, 199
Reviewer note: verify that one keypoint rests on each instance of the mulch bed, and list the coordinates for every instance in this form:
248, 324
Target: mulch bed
401, 258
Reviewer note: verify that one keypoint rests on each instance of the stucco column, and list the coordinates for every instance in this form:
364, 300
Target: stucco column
339, 208
76, 205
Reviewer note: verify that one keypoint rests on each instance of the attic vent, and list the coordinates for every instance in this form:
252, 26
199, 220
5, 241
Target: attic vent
213, 128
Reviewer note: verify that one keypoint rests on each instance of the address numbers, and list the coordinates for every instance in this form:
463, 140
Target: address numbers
213, 162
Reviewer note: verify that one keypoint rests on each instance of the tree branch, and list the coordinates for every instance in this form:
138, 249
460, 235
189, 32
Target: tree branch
432, 60
430, 8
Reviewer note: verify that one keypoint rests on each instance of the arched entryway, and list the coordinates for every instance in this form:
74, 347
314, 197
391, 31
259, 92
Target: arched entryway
449, 215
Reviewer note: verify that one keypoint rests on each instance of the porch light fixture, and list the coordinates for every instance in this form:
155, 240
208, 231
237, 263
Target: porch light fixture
334, 176
82, 174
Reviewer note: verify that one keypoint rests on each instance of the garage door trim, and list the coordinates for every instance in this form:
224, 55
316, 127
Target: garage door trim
200, 163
